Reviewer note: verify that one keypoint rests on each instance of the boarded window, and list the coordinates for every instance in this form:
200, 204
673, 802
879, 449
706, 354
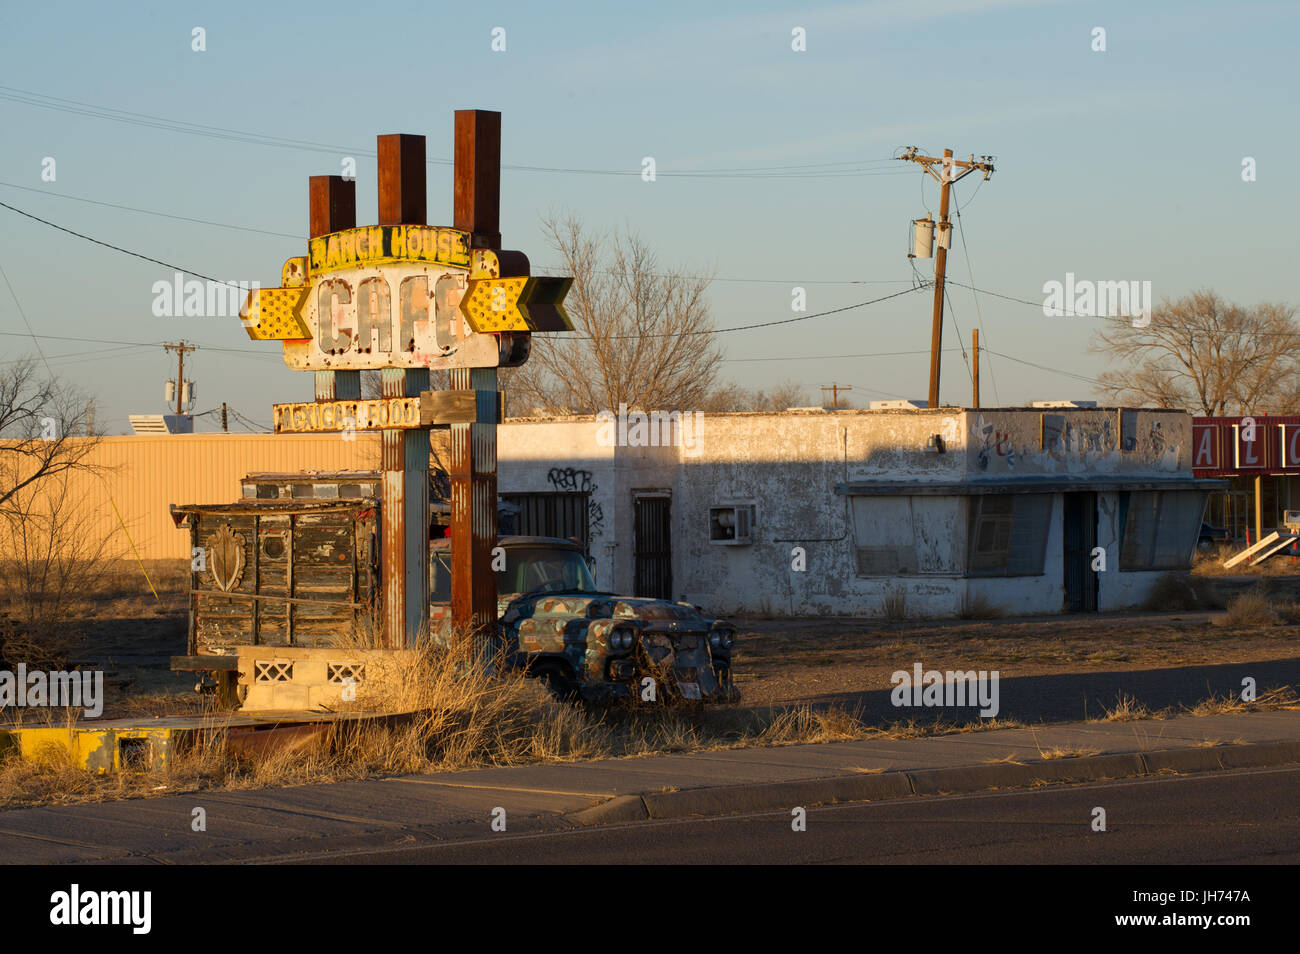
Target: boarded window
1008, 534
885, 543
902, 536
1160, 529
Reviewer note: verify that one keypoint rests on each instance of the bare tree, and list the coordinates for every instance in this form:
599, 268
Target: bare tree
732, 397
643, 337
1208, 355
50, 551
41, 421
55, 553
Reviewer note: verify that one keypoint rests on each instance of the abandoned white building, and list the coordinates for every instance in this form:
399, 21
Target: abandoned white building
848, 512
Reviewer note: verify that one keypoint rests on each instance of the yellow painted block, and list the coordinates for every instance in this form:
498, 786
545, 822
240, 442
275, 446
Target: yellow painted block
96, 750
272, 314
294, 272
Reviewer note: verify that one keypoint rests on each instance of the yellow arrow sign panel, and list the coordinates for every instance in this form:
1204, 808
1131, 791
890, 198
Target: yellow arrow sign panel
271, 314
516, 304
543, 304
492, 304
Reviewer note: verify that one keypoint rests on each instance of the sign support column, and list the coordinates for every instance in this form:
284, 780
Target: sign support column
333, 203
405, 453
473, 466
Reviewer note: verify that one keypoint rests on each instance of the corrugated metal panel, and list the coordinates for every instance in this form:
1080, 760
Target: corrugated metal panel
142, 475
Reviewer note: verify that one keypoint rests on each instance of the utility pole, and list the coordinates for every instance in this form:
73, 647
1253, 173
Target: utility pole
835, 390
945, 171
225, 425
180, 350
975, 346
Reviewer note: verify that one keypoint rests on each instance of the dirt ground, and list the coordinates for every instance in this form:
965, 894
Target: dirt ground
799, 660
132, 634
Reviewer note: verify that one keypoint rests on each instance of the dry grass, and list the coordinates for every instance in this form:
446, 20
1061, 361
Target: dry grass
893, 604
1209, 562
1049, 754
1283, 697
1180, 592
442, 712
1126, 709
1251, 608
1008, 759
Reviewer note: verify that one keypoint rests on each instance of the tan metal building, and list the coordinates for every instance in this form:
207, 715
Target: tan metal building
124, 493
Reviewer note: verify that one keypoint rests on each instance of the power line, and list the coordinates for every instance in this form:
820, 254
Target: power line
545, 268
1043, 367
19, 305
825, 357
970, 268
164, 215
116, 248
853, 168
761, 324
746, 281
136, 344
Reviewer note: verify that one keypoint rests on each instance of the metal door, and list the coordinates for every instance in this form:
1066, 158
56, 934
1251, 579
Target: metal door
1080, 539
652, 548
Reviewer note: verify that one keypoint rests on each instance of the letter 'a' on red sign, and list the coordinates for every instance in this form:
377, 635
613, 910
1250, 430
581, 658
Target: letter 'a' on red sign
1251, 455
1205, 439
1290, 448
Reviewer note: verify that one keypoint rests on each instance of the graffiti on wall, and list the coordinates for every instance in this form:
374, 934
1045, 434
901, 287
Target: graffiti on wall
577, 480
1073, 438
571, 479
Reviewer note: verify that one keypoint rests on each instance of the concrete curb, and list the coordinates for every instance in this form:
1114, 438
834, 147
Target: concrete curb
780, 796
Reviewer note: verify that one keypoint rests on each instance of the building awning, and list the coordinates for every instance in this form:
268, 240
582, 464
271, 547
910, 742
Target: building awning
1029, 484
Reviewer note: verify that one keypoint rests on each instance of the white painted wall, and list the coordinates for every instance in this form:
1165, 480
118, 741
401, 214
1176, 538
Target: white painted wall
788, 466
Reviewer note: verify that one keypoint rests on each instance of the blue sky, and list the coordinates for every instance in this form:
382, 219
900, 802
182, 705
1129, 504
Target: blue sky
1123, 164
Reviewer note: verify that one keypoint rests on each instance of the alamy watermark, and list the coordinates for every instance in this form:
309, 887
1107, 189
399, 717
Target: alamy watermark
650, 429
53, 689
1088, 299
931, 688
182, 298
76, 906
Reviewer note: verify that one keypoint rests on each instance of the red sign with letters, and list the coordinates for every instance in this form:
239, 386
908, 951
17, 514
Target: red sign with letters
1220, 447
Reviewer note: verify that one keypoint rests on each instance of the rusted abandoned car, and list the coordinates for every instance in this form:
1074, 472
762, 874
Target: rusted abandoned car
585, 643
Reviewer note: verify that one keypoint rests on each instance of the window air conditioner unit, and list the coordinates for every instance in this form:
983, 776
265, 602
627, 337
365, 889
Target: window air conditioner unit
732, 525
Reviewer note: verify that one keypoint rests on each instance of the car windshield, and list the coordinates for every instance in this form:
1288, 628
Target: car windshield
528, 568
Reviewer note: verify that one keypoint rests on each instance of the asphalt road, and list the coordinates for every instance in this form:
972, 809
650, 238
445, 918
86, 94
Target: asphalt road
1064, 697
1242, 817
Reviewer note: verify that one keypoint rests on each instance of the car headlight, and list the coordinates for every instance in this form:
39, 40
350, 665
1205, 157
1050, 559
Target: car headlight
621, 640
715, 640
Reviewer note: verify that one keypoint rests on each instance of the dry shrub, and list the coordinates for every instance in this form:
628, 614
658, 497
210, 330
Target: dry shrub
1251, 608
893, 604
1171, 593
978, 607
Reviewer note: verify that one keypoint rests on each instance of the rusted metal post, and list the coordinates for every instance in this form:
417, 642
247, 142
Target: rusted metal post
473, 452
478, 176
404, 558
975, 377
333, 202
